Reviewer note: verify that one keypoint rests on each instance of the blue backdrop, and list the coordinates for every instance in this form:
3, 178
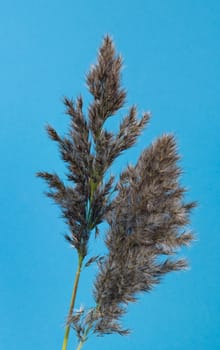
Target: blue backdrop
171, 56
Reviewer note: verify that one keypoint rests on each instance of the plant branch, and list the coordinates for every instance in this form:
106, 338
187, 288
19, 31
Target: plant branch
84, 338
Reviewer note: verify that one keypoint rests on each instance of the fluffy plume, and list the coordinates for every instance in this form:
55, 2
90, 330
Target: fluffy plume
146, 223
148, 217
86, 203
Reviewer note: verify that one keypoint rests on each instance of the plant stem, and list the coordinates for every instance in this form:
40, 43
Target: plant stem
80, 345
84, 338
73, 298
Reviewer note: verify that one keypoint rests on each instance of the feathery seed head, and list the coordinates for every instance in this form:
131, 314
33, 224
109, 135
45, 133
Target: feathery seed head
148, 216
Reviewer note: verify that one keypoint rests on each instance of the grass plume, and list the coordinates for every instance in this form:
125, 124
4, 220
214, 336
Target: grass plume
147, 217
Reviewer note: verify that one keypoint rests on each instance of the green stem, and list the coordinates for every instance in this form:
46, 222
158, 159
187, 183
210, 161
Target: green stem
73, 298
80, 345
84, 338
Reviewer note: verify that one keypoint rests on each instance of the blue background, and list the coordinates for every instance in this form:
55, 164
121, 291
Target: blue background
171, 56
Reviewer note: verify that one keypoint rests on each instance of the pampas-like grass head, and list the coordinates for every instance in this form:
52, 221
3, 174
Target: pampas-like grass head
147, 216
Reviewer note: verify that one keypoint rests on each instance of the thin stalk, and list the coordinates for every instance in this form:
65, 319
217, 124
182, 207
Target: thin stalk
76, 281
80, 345
84, 338
73, 298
